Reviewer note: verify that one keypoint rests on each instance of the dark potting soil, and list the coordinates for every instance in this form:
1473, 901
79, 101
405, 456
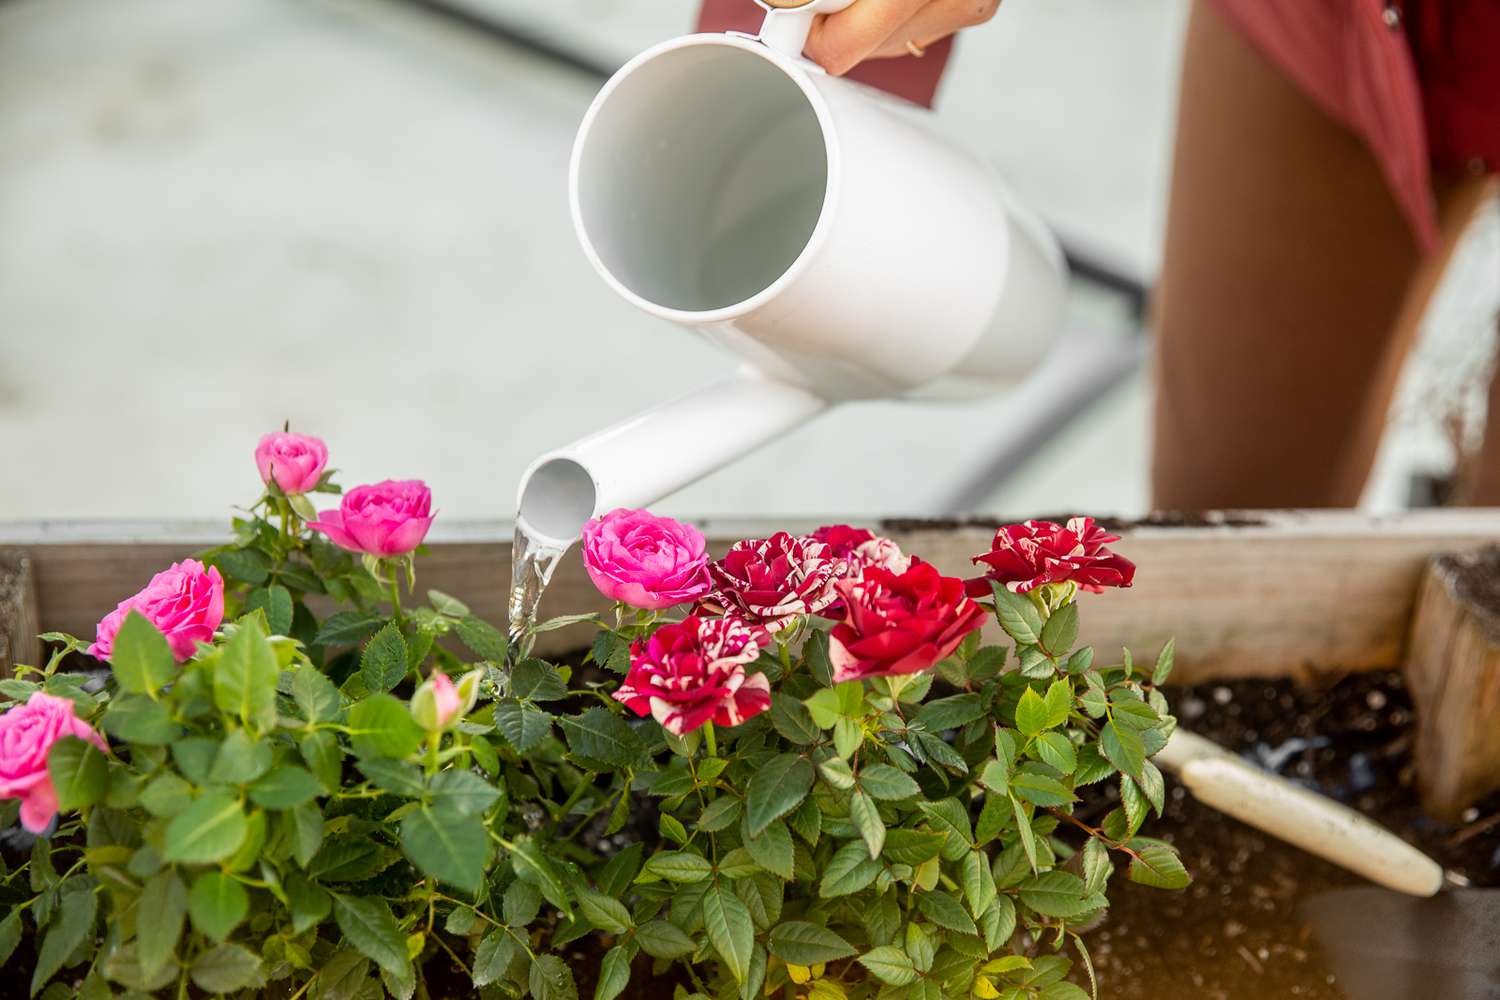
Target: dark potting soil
1236, 934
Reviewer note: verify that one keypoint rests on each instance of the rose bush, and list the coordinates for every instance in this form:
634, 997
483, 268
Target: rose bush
339, 789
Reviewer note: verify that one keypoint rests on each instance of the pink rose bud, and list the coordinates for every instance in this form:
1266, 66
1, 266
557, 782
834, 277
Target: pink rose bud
645, 561
294, 462
185, 601
1026, 556
439, 703
693, 671
385, 519
899, 623
770, 581
27, 733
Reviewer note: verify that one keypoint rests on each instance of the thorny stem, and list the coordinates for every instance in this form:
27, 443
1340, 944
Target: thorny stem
1094, 831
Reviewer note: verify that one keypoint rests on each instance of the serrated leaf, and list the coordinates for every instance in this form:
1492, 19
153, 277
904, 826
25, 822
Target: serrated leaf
315, 695
368, 925
347, 628
614, 974
1164, 663
836, 771
551, 979
890, 965
79, 773
73, 923
978, 881
1031, 713
998, 923
721, 814
1061, 630
912, 847
1017, 615
772, 849
486, 641
226, 968
284, 787
217, 904
381, 726
383, 662
1123, 748
848, 871
1040, 789
777, 788
949, 713
867, 821
244, 679
528, 861
446, 844
679, 866
165, 899
141, 659
600, 735
1096, 866
882, 781
730, 930
792, 720
537, 680
946, 911
604, 913
464, 792
493, 956
798, 942
276, 601
1153, 786
1055, 894
1059, 700
1058, 751
394, 776
1025, 834
523, 726
307, 831
1159, 866
660, 939
209, 830
952, 818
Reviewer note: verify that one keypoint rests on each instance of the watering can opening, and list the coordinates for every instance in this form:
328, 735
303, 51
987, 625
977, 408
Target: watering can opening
557, 499
701, 180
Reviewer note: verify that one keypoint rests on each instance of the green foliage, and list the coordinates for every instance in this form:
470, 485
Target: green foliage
271, 813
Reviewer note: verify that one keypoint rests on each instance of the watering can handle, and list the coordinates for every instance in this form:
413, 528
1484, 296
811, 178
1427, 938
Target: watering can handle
788, 22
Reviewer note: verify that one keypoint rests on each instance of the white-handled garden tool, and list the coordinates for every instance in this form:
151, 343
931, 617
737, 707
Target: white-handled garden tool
1288, 812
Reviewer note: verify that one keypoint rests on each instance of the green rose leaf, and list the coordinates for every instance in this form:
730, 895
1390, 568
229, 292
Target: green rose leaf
1017, 615
367, 924
135, 718
347, 628
730, 929
209, 830
537, 680
244, 680
890, 965
493, 956
529, 863
79, 773
679, 866
867, 821
1058, 894
614, 974
285, 787
604, 912
551, 979
848, 871
1159, 865
602, 740
227, 968
276, 602
797, 942
776, 789
165, 899
141, 659
523, 726
74, 922
464, 792
1061, 630
217, 904
792, 720
487, 642
1058, 751
380, 726
383, 663
1123, 748
661, 939
882, 781
772, 849
448, 845
946, 911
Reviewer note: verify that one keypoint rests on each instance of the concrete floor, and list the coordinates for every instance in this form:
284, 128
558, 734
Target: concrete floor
216, 217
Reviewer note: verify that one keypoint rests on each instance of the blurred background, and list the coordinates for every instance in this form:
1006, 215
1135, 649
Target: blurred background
352, 214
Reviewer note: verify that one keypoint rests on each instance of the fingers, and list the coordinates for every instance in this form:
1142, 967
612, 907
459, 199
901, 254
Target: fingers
934, 22
841, 41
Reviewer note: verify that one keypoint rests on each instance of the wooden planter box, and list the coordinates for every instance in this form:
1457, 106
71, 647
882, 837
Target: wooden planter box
1250, 594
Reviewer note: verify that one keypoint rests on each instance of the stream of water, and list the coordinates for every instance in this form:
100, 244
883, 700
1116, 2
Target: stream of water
532, 562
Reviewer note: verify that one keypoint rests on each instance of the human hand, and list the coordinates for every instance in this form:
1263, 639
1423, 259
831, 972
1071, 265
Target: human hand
881, 29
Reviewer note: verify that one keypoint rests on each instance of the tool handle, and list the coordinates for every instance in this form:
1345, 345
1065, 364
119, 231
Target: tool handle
788, 22
1291, 813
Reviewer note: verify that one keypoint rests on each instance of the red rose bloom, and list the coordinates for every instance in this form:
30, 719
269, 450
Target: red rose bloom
899, 623
841, 539
857, 548
693, 671
770, 581
1025, 556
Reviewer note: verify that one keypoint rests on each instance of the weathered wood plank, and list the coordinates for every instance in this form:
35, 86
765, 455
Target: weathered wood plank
19, 623
1267, 594
1453, 673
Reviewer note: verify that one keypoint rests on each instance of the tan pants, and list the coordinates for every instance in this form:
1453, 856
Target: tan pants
1291, 292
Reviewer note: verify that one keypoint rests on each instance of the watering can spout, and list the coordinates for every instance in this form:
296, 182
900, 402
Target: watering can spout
655, 453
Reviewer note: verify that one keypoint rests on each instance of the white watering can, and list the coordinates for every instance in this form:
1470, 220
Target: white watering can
809, 224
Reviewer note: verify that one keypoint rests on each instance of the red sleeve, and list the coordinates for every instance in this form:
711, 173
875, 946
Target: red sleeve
908, 77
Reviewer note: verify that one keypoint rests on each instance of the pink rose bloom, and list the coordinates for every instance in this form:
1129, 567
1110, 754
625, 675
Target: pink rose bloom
1025, 556
185, 601
27, 733
294, 462
770, 581
692, 672
899, 623
386, 519
645, 561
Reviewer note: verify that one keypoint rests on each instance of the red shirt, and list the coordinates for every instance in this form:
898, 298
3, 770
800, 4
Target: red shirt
1418, 79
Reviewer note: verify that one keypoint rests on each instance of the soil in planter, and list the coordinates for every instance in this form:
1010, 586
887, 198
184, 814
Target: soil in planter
1236, 934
